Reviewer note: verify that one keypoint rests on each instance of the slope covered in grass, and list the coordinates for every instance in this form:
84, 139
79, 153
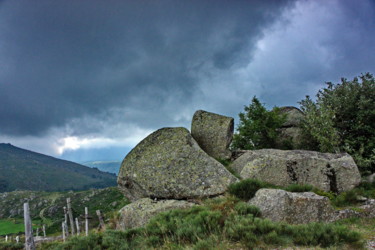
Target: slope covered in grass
26, 170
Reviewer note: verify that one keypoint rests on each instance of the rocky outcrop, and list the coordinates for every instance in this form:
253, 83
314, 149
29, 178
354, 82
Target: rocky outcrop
139, 213
169, 164
290, 132
329, 172
293, 208
213, 133
294, 116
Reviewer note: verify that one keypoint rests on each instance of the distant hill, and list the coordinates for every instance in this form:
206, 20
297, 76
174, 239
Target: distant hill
105, 166
22, 169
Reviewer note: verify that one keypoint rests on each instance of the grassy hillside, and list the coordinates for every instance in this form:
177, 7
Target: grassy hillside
105, 166
47, 207
26, 170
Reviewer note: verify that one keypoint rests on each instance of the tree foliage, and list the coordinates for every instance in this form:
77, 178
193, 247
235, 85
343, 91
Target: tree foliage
342, 119
258, 127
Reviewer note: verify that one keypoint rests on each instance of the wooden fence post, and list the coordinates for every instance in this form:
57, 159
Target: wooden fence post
66, 220
70, 213
101, 221
77, 225
87, 221
44, 230
63, 230
29, 239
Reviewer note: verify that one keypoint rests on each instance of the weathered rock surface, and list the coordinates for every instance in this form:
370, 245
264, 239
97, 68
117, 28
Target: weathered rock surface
139, 213
290, 132
213, 132
294, 116
293, 208
169, 164
329, 172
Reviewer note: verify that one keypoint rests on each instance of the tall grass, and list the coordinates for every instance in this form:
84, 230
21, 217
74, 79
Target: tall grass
205, 227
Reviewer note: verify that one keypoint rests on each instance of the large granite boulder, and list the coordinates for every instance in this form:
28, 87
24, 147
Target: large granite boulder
169, 164
293, 208
329, 172
213, 132
290, 136
139, 213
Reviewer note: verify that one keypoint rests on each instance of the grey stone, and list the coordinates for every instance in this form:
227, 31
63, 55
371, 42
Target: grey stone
294, 116
213, 132
169, 164
293, 208
139, 213
290, 136
329, 172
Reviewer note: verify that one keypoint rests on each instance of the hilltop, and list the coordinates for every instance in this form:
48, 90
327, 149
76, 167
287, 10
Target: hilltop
26, 170
105, 166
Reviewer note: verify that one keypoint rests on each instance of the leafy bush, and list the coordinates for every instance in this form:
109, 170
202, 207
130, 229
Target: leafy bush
258, 127
247, 188
342, 120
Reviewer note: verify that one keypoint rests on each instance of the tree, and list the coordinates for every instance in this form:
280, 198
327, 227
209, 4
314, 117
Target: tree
258, 127
342, 119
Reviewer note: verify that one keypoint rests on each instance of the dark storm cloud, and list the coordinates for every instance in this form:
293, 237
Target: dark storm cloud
62, 60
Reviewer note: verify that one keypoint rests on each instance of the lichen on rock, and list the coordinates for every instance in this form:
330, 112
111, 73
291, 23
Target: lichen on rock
169, 164
213, 132
294, 208
139, 213
329, 172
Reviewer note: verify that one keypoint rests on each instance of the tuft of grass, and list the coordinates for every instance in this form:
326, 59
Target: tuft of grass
299, 188
247, 188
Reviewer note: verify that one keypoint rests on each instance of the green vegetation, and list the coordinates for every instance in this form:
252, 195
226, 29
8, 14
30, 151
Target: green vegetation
349, 198
14, 226
48, 207
220, 224
246, 189
258, 127
25, 170
342, 120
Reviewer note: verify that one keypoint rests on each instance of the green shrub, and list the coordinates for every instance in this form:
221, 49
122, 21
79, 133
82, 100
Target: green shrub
330, 195
299, 188
11, 246
247, 188
243, 208
342, 120
258, 127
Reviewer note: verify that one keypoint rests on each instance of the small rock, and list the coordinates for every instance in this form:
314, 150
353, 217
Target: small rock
293, 208
139, 213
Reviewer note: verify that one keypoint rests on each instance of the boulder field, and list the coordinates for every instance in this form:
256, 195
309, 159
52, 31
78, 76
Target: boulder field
172, 165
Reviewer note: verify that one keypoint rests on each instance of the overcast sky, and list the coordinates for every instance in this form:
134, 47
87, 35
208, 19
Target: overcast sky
88, 79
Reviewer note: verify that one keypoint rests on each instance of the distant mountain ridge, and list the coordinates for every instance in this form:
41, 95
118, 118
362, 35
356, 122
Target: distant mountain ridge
22, 169
105, 166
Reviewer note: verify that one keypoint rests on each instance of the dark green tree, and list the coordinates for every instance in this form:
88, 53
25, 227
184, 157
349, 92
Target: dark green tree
258, 127
342, 119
